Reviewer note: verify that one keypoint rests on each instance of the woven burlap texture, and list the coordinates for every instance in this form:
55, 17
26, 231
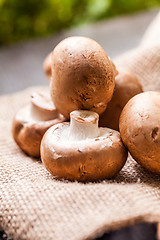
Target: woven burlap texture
34, 205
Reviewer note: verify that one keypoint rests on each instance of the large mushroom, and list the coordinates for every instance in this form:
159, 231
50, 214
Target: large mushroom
140, 129
126, 87
82, 151
82, 76
31, 122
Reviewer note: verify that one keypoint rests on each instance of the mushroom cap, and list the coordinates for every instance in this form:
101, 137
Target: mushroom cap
82, 76
140, 129
30, 124
86, 160
126, 87
47, 66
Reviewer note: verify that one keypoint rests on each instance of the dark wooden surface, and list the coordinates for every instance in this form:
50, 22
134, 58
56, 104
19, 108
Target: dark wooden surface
21, 67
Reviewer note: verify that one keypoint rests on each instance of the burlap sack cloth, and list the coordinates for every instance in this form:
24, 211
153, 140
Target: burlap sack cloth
33, 205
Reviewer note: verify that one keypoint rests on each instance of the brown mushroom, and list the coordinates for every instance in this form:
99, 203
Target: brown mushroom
126, 87
114, 67
140, 129
31, 122
82, 76
47, 66
82, 151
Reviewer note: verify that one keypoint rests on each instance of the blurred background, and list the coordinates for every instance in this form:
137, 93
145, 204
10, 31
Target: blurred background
21, 20
30, 29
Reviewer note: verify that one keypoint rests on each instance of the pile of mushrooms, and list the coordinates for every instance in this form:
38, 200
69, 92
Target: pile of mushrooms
84, 83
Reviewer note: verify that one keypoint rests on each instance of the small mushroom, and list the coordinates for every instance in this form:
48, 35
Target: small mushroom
47, 66
114, 67
140, 129
82, 76
31, 122
82, 151
126, 87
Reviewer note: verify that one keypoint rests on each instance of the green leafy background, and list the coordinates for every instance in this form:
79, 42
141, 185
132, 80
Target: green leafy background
23, 19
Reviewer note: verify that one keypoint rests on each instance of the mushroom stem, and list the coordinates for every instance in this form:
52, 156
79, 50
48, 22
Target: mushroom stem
41, 107
40, 115
83, 125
